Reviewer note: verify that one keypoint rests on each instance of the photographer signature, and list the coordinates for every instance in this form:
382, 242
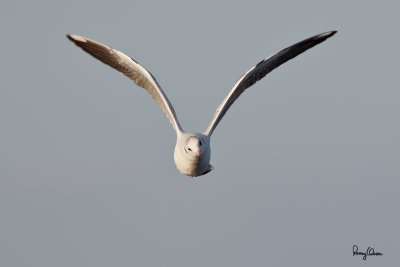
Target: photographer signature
370, 252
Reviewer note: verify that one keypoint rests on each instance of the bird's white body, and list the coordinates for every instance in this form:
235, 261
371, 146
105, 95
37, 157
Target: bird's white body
192, 150
189, 162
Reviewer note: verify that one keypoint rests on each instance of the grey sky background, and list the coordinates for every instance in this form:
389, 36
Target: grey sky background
306, 161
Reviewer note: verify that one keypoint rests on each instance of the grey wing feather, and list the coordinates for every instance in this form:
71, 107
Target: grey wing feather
129, 68
259, 71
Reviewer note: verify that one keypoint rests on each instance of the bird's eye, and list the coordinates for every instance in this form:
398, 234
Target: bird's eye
199, 142
189, 149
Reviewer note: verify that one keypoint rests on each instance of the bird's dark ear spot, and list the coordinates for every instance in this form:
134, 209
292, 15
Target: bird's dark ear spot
199, 142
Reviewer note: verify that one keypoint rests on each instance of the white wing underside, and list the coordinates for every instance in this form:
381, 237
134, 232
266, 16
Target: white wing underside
258, 72
146, 80
131, 69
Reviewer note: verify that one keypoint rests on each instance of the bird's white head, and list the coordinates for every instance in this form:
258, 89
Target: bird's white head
193, 146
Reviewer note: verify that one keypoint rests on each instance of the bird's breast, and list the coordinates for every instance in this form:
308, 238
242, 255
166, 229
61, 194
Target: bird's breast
190, 166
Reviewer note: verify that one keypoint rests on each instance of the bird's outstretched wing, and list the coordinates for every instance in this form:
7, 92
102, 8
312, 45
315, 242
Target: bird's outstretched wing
131, 69
258, 72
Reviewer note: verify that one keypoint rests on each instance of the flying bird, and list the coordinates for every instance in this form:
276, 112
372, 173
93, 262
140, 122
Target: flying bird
192, 150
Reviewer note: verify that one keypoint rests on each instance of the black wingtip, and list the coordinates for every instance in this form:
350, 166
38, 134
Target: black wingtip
327, 34
69, 37
316, 39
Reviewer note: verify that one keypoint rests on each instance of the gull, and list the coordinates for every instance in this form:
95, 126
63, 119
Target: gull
192, 150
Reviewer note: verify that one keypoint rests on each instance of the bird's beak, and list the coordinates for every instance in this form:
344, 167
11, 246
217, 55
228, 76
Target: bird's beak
198, 152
